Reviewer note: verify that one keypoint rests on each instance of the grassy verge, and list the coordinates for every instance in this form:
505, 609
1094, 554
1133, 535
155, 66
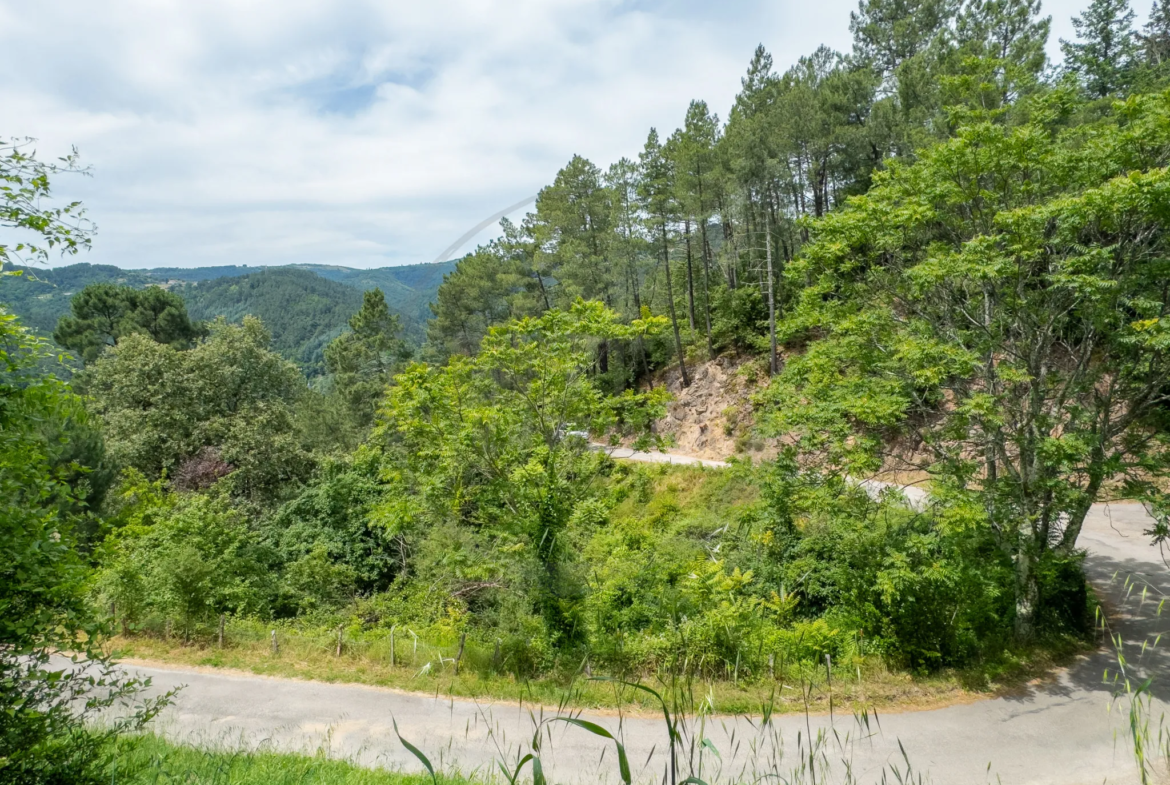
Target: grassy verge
866, 684
150, 760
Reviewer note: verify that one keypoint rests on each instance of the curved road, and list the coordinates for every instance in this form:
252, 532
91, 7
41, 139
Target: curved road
1060, 732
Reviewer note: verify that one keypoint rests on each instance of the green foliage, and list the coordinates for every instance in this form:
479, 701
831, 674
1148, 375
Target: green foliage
182, 557
480, 459
103, 313
1104, 54
42, 607
161, 408
46, 705
1016, 347
999, 54
42, 296
487, 287
25, 193
326, 537
362, 361
304, 311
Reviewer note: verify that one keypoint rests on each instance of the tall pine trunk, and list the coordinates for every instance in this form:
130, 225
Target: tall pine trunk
707, 287
690, 277
773, 360
678, 347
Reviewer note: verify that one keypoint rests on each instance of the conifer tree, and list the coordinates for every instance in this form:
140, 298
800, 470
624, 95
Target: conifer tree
1103, 55
1155, 36
656, 191
1001, 50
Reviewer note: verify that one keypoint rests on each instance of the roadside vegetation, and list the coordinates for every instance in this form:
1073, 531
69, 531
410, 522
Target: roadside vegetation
951, 258
151, 760
654, 511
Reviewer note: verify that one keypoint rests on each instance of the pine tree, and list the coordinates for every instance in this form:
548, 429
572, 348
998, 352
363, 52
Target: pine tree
1103, 55
1001, 50
887, 33
696, 165
1155, 36
363, 360
657, 193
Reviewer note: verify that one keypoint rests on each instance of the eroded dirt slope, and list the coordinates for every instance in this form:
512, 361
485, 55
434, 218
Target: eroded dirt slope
713, 417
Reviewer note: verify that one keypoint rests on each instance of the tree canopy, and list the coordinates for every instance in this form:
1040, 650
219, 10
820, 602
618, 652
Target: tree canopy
104, 313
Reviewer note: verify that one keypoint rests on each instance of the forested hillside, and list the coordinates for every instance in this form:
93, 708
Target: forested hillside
939, 256
40, 296
303, 311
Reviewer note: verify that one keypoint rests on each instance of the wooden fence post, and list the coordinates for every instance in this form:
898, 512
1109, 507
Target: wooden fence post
459, 656
392, 645
275, 645
340, 629
221, 621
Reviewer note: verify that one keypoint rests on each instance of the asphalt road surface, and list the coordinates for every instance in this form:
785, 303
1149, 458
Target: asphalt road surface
1068, 730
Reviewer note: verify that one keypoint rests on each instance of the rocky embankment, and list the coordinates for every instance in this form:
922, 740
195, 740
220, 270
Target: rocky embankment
713, 417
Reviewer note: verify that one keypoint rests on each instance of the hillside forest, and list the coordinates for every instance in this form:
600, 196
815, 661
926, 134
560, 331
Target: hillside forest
303, 306
938, 256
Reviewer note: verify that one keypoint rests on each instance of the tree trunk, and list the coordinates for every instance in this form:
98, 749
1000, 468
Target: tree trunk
729, 239
543, 291
690, 277
641, 344
678, 347
1027, 594
707, 287
773, 360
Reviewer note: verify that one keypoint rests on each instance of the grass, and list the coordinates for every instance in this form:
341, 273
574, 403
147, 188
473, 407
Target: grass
151, 760
870, 684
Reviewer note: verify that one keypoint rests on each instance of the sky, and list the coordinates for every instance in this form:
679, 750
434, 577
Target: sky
362, 133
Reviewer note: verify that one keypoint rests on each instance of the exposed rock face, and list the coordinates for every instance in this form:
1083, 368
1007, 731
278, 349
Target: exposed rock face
713, 417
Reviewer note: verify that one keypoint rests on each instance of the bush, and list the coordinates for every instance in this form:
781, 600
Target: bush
44, 706
184, 557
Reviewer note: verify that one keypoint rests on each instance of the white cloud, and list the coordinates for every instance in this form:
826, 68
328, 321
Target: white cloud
359, 132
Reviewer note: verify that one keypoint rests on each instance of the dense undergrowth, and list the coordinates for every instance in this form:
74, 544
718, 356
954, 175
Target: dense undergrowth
686, 573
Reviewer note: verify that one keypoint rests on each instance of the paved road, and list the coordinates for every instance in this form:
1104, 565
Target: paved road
1061, 732
627, 454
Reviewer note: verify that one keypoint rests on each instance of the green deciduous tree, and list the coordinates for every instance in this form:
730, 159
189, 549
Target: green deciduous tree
161, 407
42, 606
182, 557
45, 701
483, 445
995, 315
25, 192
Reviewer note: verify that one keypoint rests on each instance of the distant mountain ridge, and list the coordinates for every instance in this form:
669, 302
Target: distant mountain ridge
304, 306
